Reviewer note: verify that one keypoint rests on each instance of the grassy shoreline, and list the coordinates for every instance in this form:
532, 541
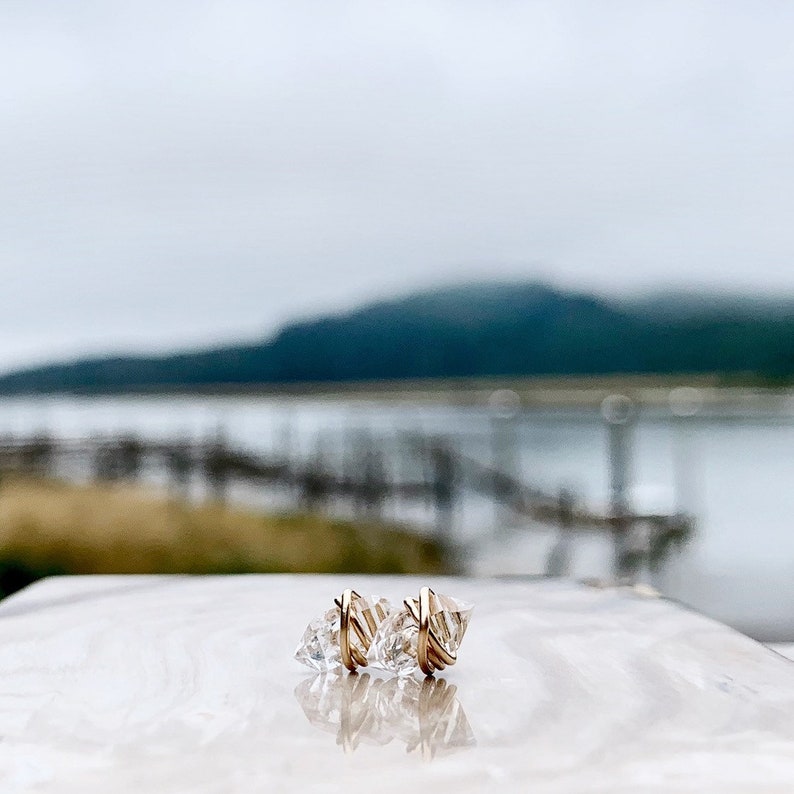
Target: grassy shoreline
541, 390
51, 527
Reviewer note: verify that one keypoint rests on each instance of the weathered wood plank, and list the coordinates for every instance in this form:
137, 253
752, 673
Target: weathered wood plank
168, 684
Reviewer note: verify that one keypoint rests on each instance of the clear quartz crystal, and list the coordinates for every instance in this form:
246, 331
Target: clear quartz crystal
394, 647
449, 619
319, 646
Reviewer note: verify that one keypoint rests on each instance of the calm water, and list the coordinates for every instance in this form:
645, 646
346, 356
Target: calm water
735, 472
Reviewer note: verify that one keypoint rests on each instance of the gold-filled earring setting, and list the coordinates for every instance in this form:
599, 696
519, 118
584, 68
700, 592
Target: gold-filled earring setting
425, 635
342, 636
436, 645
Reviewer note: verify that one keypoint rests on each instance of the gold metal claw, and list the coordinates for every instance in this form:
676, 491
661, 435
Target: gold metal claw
431, 652
352, 657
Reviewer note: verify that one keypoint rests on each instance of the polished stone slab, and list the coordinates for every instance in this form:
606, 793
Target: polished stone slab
171, 684
784, 648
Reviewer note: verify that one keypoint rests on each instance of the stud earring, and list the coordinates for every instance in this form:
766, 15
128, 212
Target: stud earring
425, 635
342, 636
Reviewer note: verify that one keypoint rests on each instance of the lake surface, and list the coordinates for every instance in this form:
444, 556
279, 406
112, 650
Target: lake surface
733, 469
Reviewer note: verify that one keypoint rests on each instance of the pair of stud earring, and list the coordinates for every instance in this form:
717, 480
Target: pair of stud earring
425, 634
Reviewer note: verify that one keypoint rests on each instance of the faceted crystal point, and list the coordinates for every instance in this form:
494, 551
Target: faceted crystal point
319, 646
394, 647
449, 619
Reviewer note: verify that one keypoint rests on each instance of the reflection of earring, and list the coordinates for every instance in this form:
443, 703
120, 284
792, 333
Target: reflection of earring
345, 705
328, 642
425, 635
425, 715
442, 721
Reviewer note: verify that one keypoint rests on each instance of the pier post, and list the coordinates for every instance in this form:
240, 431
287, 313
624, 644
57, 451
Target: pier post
558, 562
619, 413
504, 406
216, 466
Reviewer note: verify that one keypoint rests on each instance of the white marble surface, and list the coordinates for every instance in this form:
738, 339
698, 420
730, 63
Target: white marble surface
784, 648
168, 685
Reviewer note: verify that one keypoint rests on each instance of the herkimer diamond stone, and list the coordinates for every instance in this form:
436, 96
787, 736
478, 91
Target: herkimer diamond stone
394, 647
319, 646
449, 619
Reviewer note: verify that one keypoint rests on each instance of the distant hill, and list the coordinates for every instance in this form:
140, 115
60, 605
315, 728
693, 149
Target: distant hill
478, 330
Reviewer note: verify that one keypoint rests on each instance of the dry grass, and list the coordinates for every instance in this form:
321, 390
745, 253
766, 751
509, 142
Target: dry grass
49, 526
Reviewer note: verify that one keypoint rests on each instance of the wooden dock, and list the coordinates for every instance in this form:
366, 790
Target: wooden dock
176, 684
365, 474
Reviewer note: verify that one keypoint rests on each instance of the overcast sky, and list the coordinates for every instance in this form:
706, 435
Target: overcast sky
175, 172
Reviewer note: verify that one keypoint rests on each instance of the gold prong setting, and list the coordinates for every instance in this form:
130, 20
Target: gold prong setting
341, 636
440, 632
425, 635
364, 631
362, 622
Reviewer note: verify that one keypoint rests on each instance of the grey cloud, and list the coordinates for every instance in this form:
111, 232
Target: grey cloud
179, 171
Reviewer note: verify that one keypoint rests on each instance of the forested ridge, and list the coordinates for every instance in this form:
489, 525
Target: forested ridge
477, 330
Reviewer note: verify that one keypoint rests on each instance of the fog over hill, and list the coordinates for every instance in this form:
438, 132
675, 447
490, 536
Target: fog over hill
472, 330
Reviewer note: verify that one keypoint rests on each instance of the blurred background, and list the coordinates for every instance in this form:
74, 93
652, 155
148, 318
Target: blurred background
496, 289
